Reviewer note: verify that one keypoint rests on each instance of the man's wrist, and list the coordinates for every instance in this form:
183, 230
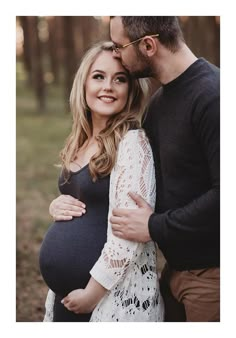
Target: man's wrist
150, 226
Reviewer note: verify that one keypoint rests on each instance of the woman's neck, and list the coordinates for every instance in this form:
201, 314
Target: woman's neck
98, 123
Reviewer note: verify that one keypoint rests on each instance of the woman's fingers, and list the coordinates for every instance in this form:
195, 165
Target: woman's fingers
73, 201
64, 214
72, 207
62, 218
65, 207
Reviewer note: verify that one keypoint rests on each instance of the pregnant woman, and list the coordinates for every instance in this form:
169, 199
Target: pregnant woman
91, 274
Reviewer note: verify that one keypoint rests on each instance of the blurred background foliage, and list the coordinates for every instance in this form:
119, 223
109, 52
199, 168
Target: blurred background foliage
48, 53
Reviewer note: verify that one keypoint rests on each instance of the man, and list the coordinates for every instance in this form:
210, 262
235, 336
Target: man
183, 125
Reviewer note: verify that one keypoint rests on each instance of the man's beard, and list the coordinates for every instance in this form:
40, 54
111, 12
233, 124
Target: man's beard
142, 73
145, 69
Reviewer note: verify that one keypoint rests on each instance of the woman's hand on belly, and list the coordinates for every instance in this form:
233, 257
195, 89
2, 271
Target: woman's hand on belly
85, 300
65, 207
79, 301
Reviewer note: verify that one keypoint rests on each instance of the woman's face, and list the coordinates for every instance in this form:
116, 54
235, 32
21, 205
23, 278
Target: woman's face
106, 86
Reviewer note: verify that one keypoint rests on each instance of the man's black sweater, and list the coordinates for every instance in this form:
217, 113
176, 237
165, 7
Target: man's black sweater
183, 125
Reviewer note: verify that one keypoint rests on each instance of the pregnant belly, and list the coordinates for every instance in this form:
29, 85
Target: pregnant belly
68, 252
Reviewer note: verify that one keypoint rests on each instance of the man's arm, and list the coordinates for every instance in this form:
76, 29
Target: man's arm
200, 218
197, 220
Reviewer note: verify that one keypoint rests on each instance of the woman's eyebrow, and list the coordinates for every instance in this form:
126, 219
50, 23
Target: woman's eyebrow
121, 73
98, 70
102, 71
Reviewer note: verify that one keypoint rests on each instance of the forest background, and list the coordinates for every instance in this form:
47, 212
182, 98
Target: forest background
48, 53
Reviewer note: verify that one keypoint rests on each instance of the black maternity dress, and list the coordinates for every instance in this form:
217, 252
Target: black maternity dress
71, 248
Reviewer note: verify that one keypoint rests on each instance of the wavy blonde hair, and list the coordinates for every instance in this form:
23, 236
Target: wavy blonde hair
108, 139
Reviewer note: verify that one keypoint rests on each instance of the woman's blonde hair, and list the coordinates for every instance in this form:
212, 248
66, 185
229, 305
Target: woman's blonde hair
108, 139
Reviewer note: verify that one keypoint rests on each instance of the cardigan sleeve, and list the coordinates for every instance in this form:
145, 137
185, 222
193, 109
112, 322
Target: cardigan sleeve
134, 171
48, 317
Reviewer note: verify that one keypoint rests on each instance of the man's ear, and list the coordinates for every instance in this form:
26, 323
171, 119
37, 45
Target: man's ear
149, 46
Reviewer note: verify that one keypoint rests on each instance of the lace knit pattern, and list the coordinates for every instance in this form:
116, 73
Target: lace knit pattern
126, 268
48, 317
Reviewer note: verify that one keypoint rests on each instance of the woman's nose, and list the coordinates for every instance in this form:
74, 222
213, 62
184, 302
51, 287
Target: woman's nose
107, 85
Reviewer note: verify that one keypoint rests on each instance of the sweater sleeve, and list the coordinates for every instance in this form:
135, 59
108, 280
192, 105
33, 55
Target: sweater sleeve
134, 171
199, 220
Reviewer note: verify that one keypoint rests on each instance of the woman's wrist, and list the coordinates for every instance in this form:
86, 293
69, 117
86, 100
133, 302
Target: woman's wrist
95, 291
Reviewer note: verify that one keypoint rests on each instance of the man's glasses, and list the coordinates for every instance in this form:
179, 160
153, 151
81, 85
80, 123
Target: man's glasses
116, 48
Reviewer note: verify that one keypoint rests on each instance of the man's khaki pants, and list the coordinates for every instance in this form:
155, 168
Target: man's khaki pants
192, 295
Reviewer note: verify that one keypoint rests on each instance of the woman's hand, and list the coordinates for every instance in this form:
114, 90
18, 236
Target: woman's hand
65, 207
85, 300
79, 301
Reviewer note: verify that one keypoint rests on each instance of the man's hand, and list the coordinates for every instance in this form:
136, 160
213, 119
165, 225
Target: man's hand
65, 207
132, 224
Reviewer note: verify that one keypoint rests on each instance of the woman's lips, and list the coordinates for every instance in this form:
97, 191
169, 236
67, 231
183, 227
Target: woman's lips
107, 99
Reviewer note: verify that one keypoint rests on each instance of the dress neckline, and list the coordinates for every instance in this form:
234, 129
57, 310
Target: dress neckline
78, 171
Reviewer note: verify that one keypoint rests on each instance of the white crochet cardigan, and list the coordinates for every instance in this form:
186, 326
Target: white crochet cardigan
127, 269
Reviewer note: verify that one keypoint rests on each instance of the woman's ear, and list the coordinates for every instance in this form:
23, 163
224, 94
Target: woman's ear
149, 46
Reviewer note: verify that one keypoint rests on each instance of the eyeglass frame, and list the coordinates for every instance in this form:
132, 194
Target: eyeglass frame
117, 49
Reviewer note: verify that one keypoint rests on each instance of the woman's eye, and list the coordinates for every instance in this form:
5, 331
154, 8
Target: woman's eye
98, 77
122, 79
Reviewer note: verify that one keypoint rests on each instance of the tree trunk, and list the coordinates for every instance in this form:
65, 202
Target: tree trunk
202, 35
36, 61
26, 50
69, 55
53, 45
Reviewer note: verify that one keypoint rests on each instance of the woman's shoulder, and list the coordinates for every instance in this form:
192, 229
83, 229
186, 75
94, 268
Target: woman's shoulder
134, 140
133, 134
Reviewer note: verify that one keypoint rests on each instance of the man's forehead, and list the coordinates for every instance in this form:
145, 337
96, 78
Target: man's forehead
117, 32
